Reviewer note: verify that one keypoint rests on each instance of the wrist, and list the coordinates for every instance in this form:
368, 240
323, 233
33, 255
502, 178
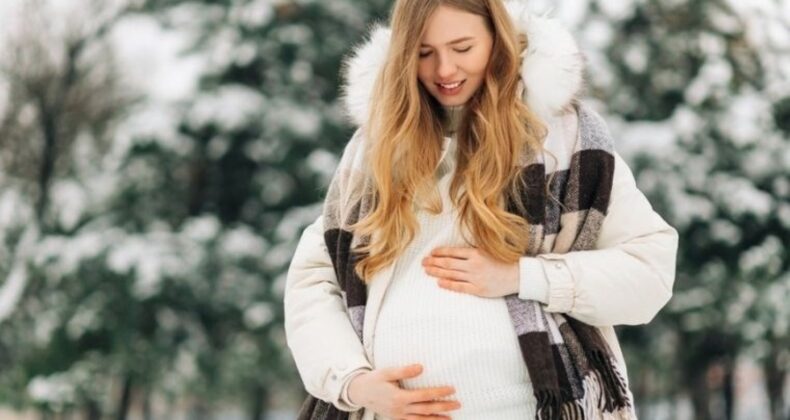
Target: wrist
515, 278
354, 390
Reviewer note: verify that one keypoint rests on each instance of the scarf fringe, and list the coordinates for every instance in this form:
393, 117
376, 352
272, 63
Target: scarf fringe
550, 406
613, 395
605, 396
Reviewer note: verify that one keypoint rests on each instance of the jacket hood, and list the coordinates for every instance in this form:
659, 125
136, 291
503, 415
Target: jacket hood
552, 66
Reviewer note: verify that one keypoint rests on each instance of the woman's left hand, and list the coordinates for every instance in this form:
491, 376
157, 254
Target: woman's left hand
470, 270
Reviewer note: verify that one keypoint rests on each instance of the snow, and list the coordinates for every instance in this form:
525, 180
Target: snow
635, 56
296, 219
274, 186
301, 72
256, 13
258, 315
278, 257
617, 10
297, 34
686, 122
653, 138
686, 207
154, 121
784, 215
201, 229
15, 208
743, 302
716, 73
156, 65
56, 389
597, 34
16, 281
323, 162
298, 118
69, 200
270, 149
230, 107
712, 44
693, 298
241, 242
153, 59
759, 162
4, 91
725, 231
571, 13
767, 256
747, 117
739, 196
84, 319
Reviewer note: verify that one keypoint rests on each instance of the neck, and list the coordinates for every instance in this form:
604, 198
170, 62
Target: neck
452, 118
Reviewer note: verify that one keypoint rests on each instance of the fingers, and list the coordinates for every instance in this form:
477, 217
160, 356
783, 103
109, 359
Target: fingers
418, 403
454, 264
432, 408
404, 372
459, 286
449, 274
453, 251
427, 394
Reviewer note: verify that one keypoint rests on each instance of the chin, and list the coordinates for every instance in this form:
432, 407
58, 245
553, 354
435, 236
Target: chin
454, 101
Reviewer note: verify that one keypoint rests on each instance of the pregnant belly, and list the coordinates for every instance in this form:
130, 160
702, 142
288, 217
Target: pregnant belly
461, 340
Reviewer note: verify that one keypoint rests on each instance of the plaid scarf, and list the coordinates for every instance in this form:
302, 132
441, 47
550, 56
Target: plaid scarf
573, 372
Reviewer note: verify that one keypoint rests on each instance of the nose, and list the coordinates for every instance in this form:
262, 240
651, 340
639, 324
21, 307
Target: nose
445, 68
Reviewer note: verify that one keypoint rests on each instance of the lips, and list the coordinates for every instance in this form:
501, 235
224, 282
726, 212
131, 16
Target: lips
452, 85
450, 88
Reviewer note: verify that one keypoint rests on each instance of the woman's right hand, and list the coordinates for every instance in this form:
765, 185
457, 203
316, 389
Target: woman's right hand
378, 390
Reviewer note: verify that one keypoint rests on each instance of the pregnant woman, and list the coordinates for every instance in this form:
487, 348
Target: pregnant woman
480, 237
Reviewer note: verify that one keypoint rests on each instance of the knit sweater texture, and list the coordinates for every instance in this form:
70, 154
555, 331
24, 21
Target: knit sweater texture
461, 340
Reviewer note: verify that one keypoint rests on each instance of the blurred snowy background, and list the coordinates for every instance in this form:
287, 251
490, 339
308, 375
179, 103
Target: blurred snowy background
159, 159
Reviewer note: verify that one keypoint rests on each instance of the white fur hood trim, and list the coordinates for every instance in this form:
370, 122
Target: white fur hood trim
552, 67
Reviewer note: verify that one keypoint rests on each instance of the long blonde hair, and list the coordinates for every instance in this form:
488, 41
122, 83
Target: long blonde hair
496, 134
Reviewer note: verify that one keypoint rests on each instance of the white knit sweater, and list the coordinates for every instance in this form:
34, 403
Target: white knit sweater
626, 279
460, 339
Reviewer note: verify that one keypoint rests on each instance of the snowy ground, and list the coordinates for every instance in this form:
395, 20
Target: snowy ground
751, 404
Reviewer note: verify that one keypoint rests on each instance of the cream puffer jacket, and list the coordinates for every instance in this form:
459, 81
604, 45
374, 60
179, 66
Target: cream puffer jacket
625, 280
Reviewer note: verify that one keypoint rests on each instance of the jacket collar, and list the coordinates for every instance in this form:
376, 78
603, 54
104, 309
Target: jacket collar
551, 68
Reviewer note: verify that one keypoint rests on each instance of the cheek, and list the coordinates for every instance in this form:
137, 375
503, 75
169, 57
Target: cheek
424, 74
478, 64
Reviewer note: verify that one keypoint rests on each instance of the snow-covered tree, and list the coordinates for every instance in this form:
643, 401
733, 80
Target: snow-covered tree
697, 93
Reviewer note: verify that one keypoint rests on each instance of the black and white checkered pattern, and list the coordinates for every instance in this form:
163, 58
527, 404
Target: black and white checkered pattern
572, 370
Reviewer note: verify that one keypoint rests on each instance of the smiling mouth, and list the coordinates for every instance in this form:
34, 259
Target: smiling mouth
450, 86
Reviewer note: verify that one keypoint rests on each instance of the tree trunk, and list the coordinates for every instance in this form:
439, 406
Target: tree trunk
700, 395
48, 155
775, 376
728, 388
200, 410
92, 411
258, 400
126, 397
641, 392
147, 405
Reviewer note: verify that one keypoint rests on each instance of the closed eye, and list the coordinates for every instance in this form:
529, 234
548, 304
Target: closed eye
458, 50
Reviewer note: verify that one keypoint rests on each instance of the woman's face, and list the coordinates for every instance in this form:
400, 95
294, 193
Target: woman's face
454, 55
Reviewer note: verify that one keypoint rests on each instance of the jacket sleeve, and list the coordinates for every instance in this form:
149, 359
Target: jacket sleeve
626, 279
318, 331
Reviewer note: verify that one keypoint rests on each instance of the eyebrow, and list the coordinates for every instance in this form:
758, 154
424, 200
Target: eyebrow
455, 41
